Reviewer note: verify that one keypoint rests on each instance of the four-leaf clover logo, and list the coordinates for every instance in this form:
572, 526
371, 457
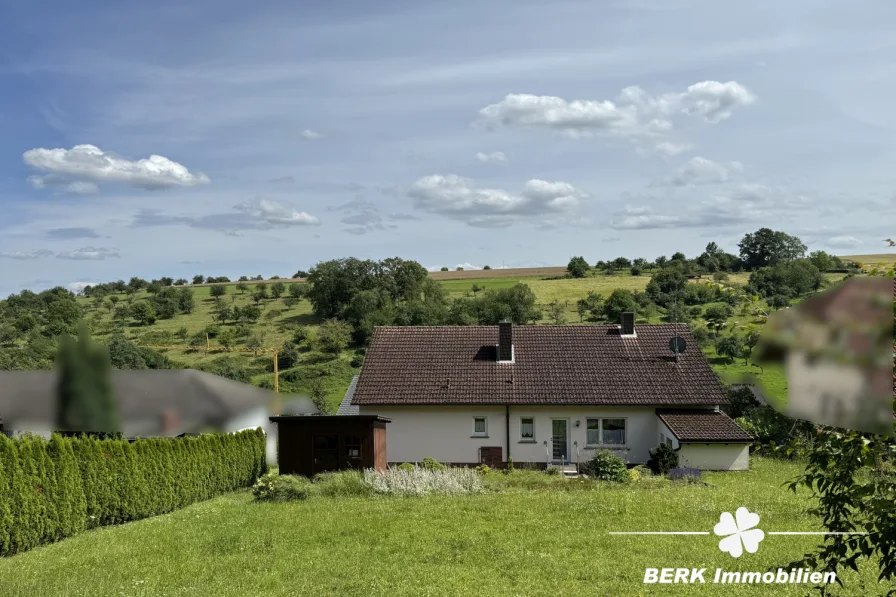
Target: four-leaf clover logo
739, 534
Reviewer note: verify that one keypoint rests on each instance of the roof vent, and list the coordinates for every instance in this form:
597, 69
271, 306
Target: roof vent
628, 324
505, 342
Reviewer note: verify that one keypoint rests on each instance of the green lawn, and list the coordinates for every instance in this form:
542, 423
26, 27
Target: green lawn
512, 542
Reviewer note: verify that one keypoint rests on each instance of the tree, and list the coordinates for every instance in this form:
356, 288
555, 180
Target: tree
277, 289
254, 343
290, 301
767, 247
821, 260
198, 279
678, 256
620, 301
517, 304
85, 398
261, 289
334, 335
185, 301
242, 287
577, 267
486, 267
180, 282
778, 301
300, 274
636, 271
581, 309
557, 313
136, 284
476, 288
665, 285
661, 261
716, 316
227, 338
223, 312
182, 333
621, 263
459, 268
249, 313
154, 287
730, 347
317, 388
217, 291
444, 269
592, 304
751, 339
144, 313
166, 281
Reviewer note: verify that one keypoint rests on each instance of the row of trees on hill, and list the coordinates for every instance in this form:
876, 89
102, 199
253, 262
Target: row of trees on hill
136, 284
760, 249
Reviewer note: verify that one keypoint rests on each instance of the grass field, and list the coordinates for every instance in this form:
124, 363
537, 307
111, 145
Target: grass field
515, 541
886, 258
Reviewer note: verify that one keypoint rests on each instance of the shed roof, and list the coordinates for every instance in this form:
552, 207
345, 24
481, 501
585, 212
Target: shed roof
703, 426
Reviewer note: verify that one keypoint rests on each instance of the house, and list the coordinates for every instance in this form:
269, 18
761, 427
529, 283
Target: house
545, 394
151, 403
837, 350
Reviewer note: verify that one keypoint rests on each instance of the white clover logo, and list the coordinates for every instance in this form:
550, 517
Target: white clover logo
739, 534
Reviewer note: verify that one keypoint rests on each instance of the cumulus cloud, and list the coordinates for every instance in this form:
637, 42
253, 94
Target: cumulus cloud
495, 156
843, 242
89, 254
83, 167
70, 233
635, 113
460, 198
669, 149
78, 287
700, 170
309, 134
26, 255
257, 214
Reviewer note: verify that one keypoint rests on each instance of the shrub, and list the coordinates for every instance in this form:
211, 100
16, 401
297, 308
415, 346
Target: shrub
606, 466
406, 466
431, 464
509, 468
662, 459
553, 470
357, 361
685, 474
341, 484
421, 481
281, 488
634, 475
483, 469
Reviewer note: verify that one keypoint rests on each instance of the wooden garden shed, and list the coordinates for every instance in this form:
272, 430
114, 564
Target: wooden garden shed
311, 444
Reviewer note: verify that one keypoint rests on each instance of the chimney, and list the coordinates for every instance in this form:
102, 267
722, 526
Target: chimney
505, 341
628, 324
169, 422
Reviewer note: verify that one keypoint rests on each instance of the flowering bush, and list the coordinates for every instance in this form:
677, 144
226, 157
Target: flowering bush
421, 481
686, 474
281, 488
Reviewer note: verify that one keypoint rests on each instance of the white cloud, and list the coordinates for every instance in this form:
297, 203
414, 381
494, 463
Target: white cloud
81, 168
495, 156
309, 134
459, 198
81, 187
843, 242
276, 213
635, 113
669, 149
89, 254
26, 255
77, 287
700, 170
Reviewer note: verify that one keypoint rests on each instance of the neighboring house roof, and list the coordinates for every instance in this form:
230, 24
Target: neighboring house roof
553, 364
346, 407
190, 399
703, 426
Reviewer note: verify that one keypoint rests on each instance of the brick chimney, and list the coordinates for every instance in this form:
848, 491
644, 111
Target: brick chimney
505, 341
628, 324
170, 421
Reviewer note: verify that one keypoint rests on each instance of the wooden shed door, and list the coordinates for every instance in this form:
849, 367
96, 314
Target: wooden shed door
326, 453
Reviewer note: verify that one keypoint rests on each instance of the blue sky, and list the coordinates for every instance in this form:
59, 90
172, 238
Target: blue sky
515, 132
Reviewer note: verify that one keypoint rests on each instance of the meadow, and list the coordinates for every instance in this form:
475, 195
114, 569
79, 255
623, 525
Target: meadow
483, 544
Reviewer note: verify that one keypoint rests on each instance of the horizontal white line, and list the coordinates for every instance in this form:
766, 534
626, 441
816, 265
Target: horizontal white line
809, 533
660, 533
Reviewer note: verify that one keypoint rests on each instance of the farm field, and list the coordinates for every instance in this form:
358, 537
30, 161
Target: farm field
486, 544
874, 259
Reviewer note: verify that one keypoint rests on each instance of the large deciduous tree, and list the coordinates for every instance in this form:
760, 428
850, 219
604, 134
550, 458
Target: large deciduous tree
577, 267
767, 247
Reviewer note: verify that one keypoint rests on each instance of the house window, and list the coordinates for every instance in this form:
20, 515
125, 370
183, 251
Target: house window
353, 446
527, 429
606, 432
669, 442
480, 426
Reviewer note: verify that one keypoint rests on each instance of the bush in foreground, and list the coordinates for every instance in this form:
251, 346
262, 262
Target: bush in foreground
421, 481
281, 488
662, 459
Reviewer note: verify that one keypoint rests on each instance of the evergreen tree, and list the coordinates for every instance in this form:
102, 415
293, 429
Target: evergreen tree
70, 502
85, 399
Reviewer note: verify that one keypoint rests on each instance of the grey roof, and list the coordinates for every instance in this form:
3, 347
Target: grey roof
346, 407
195, 399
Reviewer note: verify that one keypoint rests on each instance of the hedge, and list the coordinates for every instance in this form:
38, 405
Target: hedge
53, 489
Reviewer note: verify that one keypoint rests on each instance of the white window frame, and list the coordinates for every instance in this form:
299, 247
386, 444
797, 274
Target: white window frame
600, 432
480, 433
527, 440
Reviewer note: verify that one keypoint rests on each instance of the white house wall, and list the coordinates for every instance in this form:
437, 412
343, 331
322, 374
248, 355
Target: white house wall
664, 433
253, 419
715, 457
444, 432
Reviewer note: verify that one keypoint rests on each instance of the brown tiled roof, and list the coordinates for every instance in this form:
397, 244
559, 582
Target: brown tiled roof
552, 365
703, 426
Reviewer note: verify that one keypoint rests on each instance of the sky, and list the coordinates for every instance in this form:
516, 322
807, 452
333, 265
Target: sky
231, 138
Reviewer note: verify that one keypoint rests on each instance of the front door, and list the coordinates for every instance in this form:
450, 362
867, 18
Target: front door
326, 453
560, 441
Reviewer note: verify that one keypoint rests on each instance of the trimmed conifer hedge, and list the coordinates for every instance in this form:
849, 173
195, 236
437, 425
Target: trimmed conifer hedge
53, 489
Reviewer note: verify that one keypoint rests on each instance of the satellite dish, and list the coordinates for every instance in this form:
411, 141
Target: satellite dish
677, 344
